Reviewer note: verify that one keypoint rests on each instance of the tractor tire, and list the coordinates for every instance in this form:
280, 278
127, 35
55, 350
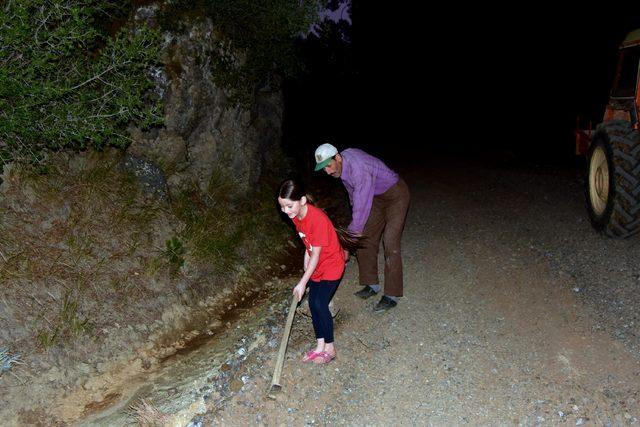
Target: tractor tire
612, 187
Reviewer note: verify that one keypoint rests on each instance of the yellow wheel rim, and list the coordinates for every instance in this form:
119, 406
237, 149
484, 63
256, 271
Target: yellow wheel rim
598, 181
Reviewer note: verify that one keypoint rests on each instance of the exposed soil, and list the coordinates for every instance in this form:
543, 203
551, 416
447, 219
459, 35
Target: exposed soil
515, 312
95, 301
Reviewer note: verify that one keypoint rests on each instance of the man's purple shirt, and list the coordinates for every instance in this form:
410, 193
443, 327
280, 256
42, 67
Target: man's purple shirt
364, 176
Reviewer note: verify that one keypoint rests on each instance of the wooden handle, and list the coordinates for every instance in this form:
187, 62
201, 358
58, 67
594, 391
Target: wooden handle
283, 344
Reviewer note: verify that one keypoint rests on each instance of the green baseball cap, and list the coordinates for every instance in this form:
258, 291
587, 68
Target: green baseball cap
324, 155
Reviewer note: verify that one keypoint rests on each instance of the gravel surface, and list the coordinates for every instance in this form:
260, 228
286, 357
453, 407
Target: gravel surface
515, 312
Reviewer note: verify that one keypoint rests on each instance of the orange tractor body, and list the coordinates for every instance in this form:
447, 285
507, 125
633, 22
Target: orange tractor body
612, 184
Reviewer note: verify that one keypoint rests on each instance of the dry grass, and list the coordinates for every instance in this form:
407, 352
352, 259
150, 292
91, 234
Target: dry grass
82, 247
148, 415
87, 272
72, 239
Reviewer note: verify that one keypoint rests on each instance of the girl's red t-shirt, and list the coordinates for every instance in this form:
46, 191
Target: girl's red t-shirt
316, 229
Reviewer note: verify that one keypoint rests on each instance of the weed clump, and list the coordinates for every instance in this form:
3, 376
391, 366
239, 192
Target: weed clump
148, 415
175, 253
68, 324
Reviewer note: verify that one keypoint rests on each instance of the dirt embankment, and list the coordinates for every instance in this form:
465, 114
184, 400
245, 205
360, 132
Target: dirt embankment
101, 282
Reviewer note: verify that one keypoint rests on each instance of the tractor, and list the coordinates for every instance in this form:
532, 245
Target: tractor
612, 184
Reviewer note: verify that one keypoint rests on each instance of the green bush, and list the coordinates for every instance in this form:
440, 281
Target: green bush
65, 82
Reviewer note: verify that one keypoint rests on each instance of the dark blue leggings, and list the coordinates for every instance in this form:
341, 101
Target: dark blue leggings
320, 293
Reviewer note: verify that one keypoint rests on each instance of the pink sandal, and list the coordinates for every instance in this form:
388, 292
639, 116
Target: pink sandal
323, 358
310, 356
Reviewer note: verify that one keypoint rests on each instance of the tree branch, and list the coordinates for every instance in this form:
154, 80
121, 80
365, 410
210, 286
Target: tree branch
97, 76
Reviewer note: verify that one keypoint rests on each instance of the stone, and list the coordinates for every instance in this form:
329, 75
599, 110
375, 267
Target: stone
149, 175
236, 385
207, 137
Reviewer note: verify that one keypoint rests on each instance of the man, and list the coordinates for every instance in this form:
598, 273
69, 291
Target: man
379, 202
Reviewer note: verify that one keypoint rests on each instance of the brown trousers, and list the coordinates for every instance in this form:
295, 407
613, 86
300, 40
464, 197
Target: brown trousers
386, 221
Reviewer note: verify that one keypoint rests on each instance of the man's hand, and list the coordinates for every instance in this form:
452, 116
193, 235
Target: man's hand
347, 255
298, 291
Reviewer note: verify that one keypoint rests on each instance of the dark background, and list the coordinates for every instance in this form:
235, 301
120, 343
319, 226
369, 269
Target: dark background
470, 81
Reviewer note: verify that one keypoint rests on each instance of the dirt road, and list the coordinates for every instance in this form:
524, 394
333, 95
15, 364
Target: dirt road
515, 312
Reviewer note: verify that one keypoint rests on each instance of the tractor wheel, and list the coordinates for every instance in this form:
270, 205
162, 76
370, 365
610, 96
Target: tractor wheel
612, 187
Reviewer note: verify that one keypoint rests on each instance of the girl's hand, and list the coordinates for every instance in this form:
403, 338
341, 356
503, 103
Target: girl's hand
346, 255
298, 291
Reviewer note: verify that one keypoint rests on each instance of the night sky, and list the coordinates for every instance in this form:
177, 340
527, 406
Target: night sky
468, 81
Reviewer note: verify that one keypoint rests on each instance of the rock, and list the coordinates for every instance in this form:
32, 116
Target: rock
207, 138
149, 175
84, 368
167, 149
54, 374
236, 385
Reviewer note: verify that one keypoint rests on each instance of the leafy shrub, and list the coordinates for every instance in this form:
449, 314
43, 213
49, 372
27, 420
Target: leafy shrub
65, 83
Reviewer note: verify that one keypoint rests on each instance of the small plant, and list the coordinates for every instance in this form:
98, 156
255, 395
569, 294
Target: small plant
47, 338
175, 252
68, 325
69, 317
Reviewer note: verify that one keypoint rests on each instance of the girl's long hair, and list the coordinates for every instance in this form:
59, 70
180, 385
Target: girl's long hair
348, 239
294, 190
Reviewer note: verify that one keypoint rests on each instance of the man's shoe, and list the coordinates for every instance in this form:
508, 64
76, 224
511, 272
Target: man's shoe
365, 292
385, 304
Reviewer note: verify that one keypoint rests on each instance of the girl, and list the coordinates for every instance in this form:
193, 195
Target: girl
324, 260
